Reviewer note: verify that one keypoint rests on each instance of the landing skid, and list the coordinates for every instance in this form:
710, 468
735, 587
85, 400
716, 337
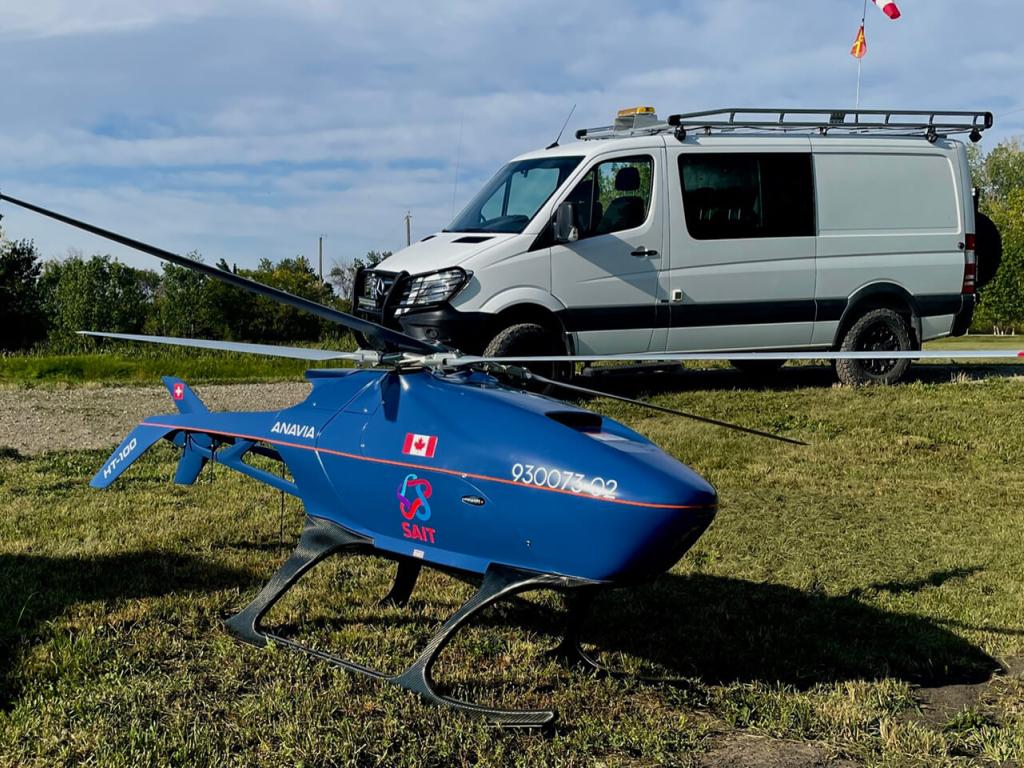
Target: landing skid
320, 539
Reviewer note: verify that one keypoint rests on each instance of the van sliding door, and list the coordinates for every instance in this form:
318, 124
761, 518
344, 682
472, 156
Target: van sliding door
742, 219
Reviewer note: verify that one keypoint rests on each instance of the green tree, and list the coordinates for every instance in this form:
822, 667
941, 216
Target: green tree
999, 177
184, 304
244, 316
98, 294
22, 322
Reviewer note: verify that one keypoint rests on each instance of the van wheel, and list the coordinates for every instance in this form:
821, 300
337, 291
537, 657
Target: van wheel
875, 331
531, 339
757, 368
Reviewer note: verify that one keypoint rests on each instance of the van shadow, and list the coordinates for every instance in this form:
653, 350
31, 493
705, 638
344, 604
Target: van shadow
39, 588
723, 630
633, 381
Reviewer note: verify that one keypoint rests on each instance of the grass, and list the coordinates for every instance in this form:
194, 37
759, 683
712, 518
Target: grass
977, 341
142, 364
839, 584
145, 365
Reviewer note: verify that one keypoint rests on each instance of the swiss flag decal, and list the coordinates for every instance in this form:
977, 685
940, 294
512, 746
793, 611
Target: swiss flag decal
179, 391
420, 445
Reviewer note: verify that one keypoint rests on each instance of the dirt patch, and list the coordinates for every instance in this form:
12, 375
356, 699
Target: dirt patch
37, 420
744, 750
939, 704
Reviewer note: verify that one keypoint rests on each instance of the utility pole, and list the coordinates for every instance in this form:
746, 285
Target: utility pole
408, 228
321, 258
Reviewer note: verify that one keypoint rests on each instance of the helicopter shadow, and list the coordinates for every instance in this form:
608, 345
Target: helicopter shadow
38, 589
633, 381
724, 630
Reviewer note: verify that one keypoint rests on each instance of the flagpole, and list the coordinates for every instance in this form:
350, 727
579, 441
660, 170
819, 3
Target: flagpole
860, 59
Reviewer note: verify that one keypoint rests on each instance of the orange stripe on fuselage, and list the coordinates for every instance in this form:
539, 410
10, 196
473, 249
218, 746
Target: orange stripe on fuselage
425, 467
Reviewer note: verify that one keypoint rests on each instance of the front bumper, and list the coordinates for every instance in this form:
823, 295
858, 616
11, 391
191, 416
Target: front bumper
465, 331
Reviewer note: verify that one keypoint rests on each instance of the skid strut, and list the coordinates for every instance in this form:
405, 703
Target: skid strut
321, 539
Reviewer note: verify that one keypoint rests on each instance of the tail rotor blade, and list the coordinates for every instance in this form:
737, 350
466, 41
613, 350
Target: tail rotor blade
652, 406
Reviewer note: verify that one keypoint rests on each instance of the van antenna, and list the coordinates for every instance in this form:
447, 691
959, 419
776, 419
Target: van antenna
554, 144
458, 157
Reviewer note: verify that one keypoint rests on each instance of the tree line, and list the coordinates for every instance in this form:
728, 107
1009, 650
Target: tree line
999, 177
44, 303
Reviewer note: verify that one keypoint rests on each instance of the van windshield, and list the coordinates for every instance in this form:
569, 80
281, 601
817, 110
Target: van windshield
515, 194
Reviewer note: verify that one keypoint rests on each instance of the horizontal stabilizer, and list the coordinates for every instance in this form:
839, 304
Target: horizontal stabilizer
139, 440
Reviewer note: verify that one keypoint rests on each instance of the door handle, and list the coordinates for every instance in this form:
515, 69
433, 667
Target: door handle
640, 251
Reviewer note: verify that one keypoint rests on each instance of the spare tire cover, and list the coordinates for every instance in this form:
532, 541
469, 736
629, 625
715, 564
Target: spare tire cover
988, 247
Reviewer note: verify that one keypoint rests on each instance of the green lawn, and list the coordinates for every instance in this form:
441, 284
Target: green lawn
841, 585
144, 364
978, 341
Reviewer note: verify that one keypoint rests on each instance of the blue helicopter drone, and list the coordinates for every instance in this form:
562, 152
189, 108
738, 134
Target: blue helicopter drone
428, 457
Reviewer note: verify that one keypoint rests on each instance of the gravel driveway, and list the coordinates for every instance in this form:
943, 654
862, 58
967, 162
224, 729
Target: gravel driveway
37, 420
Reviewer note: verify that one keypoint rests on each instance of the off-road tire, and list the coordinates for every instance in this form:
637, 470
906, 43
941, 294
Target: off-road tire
531, 339
758, 368
877, 329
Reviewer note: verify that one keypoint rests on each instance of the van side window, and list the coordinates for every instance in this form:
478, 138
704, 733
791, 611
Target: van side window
747, 195
614, 196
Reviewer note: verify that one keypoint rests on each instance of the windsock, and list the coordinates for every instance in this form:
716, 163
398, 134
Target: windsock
889, 8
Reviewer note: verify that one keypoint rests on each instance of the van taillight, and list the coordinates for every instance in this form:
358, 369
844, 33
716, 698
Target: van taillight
970, 265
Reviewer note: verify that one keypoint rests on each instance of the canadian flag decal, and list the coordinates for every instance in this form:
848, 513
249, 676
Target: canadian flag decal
420, 445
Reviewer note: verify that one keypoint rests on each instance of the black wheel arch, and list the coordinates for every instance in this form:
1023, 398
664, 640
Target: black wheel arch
531, 313
880, 296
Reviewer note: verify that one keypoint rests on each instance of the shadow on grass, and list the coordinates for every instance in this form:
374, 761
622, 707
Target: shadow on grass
722, 630
37, 589
709, 628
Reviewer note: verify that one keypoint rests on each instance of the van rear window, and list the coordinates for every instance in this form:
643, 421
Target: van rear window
886, 193
740, 195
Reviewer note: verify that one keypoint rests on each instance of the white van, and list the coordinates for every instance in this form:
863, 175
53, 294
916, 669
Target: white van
732, 230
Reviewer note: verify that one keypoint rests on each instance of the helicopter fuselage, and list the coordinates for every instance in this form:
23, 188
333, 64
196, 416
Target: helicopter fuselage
460, 472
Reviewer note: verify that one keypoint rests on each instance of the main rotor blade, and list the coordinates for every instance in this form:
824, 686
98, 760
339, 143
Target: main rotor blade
386, 338
652, 406
931, 354
271, 350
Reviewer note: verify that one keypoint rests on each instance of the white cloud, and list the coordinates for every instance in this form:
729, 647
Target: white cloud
246, 129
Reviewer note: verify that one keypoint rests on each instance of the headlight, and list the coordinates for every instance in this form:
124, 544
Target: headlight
432, 288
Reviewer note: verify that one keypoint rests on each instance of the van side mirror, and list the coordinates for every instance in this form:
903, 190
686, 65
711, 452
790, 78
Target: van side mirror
566, 230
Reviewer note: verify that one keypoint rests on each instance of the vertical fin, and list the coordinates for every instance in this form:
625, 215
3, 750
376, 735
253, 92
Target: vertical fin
192, 461
184, 398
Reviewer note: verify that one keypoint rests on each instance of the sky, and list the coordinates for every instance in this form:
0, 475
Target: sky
245, 130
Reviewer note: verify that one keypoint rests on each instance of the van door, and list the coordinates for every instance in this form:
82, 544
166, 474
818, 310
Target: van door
742, 255
889, 216
608, 278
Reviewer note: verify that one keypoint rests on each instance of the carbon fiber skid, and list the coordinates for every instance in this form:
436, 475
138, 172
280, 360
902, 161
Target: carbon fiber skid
321, 539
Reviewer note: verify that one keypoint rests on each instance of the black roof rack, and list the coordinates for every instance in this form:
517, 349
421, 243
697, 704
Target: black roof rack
929, 123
